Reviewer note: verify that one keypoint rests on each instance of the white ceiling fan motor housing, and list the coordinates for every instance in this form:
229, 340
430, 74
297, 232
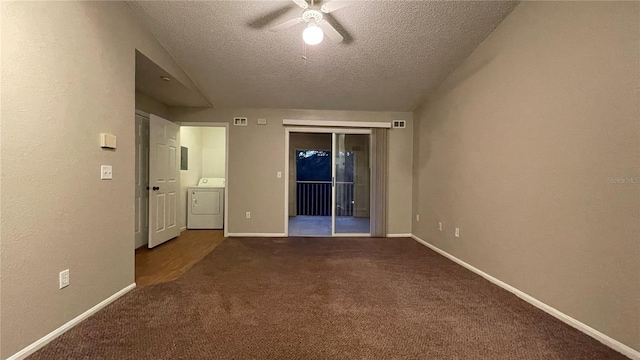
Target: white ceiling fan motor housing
312, 16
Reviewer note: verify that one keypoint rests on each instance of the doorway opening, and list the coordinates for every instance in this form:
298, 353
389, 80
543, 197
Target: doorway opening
203, 176
180, 184
180, 178
329, 183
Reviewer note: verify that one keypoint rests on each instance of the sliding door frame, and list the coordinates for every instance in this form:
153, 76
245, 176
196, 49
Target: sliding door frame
323, 130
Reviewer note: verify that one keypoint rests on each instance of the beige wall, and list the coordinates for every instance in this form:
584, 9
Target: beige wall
150, 105
191, 138
256, 154
213, 152
520, 148
68, 74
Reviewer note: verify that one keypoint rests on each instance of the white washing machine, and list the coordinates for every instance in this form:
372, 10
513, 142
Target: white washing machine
206, 204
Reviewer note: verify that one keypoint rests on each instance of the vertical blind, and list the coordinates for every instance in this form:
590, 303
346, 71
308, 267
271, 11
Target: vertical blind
379, 182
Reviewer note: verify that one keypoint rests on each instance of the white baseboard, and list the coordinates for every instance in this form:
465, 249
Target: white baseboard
398, 235
184, 228
256, 235
22, 354
607, 340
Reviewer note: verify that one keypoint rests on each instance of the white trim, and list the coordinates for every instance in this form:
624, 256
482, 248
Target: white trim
35, 346
337, 235
286, 182
226, 164
144, 241
327, 130
333, 183
184, 228
607, 340
399, 235
203, 123
334, 123
225, 232
142, 113
255, 235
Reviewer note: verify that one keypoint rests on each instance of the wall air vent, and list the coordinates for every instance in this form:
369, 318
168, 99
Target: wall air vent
240, 121
399, 124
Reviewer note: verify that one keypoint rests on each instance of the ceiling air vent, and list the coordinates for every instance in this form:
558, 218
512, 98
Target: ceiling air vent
240, 121
399, 124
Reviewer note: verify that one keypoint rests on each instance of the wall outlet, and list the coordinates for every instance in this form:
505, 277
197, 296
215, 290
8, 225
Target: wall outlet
440, 225
64, 278
457, 233
418, 217
248, 215
106, 172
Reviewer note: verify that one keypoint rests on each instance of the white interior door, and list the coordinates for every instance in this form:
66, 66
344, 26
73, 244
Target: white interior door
164, 180
142, 181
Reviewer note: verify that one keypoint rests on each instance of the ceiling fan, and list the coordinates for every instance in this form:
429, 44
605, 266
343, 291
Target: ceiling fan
317, 26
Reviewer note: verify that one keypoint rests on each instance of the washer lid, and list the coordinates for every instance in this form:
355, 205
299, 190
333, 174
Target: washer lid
211, 182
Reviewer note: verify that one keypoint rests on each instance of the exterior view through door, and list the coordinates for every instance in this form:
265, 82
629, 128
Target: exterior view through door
329, 184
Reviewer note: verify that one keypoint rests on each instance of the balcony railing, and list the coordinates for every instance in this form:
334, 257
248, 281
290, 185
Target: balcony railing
314, 198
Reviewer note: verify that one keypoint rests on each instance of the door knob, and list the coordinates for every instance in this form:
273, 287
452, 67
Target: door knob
156, 188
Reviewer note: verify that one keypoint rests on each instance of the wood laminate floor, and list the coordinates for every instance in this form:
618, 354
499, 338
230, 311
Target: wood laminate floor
168, 261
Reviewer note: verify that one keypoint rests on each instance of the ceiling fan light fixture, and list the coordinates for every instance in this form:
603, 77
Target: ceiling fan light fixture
312, 35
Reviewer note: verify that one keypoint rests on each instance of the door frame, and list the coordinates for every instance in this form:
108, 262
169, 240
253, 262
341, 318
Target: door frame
226, 164
288, 131
146, 192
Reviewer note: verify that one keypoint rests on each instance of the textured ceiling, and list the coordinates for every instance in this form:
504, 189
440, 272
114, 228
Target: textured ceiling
394, 52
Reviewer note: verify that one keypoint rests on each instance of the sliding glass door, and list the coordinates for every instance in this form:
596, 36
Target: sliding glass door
329, 182
351, 178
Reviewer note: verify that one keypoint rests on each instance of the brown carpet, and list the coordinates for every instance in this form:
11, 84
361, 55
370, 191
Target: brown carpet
316, 298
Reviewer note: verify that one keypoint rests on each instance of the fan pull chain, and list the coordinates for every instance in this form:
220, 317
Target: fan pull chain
304, 50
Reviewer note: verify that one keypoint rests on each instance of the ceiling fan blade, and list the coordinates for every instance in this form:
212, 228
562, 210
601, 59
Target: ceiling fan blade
287, 24
334, 5
302, 3
331, 32
266, 19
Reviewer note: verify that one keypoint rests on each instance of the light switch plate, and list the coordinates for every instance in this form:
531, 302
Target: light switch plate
106, 172
262, 121
64, 278
279, 174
